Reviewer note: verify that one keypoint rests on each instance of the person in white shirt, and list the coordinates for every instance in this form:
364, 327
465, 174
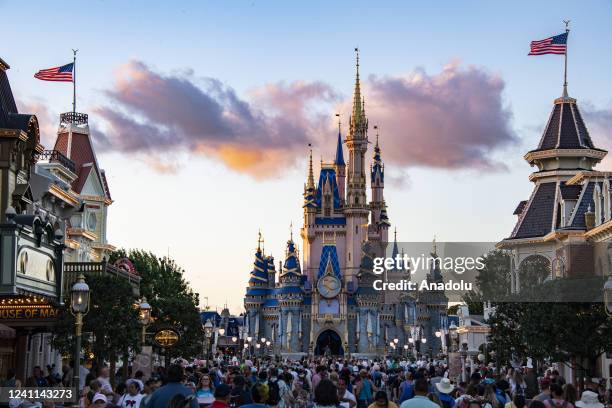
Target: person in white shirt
133, 396
104, 379
347, 399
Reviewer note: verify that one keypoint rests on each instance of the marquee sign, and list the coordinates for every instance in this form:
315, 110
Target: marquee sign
26, 309
166, 338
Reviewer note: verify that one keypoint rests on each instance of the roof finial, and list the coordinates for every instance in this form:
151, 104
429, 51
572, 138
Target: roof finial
339, 123
395, 234
291, 230
259, 240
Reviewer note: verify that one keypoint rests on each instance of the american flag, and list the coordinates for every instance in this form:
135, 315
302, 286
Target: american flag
550, 45
58, 74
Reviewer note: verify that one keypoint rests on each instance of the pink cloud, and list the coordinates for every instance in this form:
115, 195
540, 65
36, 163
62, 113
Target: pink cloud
454, 119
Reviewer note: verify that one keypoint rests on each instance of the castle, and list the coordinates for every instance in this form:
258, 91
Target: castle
327, 304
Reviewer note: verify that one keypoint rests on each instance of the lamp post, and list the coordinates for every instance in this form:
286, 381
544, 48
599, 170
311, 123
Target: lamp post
608, 296
406, 349
453, 335
145, 318
208, 331
249, 340
79, 306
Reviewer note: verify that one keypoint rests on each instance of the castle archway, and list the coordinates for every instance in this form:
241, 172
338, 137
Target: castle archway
329, 342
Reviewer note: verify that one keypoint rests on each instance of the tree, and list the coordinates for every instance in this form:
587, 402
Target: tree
493, 281
111, 300
474, 302
173, 302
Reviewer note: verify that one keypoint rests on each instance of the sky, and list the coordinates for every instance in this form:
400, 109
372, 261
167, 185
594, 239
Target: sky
201, 111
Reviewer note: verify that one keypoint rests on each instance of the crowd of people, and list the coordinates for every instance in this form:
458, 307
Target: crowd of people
331, 382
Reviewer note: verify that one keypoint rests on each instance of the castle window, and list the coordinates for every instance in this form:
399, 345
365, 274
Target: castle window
356, 229
327, 208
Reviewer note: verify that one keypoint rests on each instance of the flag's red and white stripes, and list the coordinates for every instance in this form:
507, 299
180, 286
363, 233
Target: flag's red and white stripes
550, 45
58, 74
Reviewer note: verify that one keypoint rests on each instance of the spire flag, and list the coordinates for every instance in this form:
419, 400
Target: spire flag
554, 45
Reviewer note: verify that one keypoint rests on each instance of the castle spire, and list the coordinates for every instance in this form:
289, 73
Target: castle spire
339, 154
310, 182
357, 103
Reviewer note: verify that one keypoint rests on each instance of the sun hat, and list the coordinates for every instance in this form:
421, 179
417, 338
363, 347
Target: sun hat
445, 386
100, 397
589, 400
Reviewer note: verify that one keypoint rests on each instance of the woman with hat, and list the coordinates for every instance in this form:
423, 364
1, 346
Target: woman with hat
589, 400
444, 388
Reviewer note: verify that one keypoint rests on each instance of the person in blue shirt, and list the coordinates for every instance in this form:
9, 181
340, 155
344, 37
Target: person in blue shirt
420, 399
444, 388
162, 396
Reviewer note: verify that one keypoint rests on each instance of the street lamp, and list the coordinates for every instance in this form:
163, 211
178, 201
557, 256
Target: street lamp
249, 339
608, 296
145, 317
406, 349
79, 306
221, 331
396, 340
423, 340
263, 339
438, 333
453, 334
208, 331
234, 339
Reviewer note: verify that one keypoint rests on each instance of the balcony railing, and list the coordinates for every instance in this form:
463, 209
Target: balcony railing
73, 269
55, 156
73, 118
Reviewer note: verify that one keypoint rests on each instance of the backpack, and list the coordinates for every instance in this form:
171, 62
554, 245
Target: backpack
273, 393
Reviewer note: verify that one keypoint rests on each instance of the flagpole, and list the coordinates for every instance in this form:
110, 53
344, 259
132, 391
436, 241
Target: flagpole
566, 47
74, 52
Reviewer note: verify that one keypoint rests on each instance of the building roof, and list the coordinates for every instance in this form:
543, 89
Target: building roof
520, 207
339, 154
81, 152
259, 273
570, 192
327, 177
565, 128
537, 219
291, 266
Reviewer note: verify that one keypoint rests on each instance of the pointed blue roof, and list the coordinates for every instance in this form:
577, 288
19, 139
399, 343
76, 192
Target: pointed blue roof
259, 274
329, 255
327, 175
292, 263
339, 155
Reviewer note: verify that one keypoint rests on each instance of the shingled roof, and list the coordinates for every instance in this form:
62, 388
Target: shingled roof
565, 128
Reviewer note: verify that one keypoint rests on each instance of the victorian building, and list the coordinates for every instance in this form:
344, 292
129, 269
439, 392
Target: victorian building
322, 300
566, 223
53, 208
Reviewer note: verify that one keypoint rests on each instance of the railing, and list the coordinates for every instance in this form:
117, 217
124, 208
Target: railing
73, 269
55, 156
74, 118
